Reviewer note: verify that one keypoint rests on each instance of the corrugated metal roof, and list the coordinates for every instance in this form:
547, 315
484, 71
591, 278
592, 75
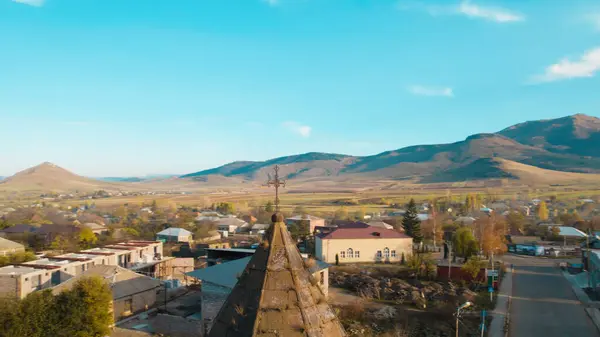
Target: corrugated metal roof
569, 231
173, 231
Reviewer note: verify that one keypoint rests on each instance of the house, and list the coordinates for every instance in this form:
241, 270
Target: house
259, 229
362, 244
276, 295
212, 236
569, 232
173, 234
96, 228
50, 231
8, 247
131, 292
18, 230
143, 256
380, 224
229, 225
311, 220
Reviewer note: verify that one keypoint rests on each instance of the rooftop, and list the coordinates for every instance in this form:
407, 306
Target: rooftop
173, 231
7, 244
304, 217
16, 270
362, 233
226, 274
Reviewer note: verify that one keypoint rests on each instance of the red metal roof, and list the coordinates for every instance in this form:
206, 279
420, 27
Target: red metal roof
363, 233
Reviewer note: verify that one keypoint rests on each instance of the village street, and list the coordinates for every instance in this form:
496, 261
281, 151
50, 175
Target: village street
543, 302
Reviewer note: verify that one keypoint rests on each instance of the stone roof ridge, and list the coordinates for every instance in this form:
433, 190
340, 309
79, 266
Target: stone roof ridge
276, 295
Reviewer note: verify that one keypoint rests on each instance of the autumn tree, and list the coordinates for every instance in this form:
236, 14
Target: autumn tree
543, 211
472, 267
87, 237
225, 208
341, 213
269, 207
516, 221
492, 241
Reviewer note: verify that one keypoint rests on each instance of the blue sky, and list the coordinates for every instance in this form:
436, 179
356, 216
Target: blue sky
133, 87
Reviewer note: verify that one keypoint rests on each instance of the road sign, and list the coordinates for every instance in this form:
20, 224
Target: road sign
492, 272
491, 289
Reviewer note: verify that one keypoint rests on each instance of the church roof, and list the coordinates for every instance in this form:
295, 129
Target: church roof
276, 295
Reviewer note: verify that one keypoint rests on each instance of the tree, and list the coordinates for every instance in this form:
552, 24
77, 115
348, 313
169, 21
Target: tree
403, 259
492, 241
516, 221
87, 237
269, 207
411, 219
59, 243
341, 213
472, 267
360, 214
464, 243
225, 208
337, 260
85, 309
82, 311
543, 211
300, 210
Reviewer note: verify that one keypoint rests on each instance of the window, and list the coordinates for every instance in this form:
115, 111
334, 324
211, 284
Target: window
386, 252
379, 254
103, 261
350, 253
82, 267
322, 280
357, 254
393, 253
343, 254
129, 305
141, 252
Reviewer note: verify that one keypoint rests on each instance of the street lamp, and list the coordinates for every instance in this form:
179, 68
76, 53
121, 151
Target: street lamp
458, 312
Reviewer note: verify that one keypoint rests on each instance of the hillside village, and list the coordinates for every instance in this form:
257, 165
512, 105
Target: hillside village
424, 257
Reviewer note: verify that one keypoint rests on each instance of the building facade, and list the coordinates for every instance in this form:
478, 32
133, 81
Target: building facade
367, 244
23, 279
313, 221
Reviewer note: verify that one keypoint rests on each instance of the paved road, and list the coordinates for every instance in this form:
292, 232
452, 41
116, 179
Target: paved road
543, 302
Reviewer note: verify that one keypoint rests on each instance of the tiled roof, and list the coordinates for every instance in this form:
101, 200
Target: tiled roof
362, 233
276, 295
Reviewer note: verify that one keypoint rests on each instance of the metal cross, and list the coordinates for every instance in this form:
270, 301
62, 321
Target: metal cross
276, 183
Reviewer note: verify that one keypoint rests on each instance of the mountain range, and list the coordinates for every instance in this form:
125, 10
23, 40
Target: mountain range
554, 151
568, 144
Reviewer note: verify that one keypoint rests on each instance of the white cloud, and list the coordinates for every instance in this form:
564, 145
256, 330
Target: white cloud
587, 65
36, 3
297, 128
488, 13
466, 8
430, 91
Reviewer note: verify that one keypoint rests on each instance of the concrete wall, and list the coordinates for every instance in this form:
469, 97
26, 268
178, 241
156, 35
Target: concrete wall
368, 248
323, 277
21, 285
140, 302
